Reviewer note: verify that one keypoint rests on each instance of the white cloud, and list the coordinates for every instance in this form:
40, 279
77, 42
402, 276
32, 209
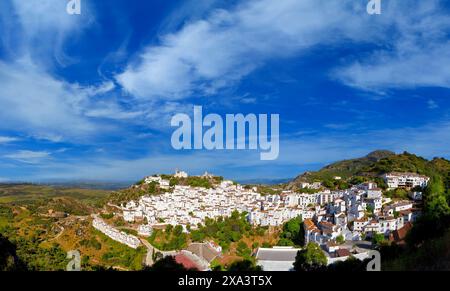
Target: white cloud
432, 104
41, 27
427, 67
219, 50
415, 52
206, 55
29, 157
37, 104
32, 101
7, 139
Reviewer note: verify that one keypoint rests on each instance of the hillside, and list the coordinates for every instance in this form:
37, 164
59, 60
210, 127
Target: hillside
375, 164
345, 169
33, 219
8, 257
141, 188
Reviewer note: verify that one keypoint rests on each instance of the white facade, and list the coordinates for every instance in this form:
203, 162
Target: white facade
181, 174
119, 236
405, 180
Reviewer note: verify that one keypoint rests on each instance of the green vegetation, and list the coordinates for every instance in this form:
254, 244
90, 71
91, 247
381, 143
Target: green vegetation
243, 250
118, 254
91, 243
293, 233
9, 261
267, 190
340, 239
172, 238
311, 258
134, 193
428, 241
195, 181
106, 215
244, 266
346, 169
199, 182
405, 162
224, 230
397, 193
372, 166
431, 255
379, 239
435, 220
38, 258
167, 264
26, 194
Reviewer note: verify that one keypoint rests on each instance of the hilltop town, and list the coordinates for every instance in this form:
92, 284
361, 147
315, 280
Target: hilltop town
394, 204
336, 220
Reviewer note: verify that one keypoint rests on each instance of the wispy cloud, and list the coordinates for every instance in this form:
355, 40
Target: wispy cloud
7, 139
432, 104
416, 51
29, 157
219, 50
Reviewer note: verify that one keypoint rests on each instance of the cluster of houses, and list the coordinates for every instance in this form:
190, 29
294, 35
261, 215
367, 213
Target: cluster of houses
329, 217
405, 180
115, 234
189, 206
361, 212
327, 214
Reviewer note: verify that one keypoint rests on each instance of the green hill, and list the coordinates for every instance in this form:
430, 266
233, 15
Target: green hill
374, 165
345, 169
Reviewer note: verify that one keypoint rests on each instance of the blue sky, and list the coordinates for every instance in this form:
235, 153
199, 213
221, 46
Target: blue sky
91, 96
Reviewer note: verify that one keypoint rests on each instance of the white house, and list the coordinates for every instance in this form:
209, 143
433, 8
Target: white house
180, 174
145, 230
405, 180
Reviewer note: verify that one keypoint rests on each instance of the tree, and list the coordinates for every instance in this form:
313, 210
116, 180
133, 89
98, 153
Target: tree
9, 261
169, 229
178, 230
197, 236
350, 265
293, 233
244, 266
378, 239
166, 264
340, 239
243, 250
436, 205
311, 258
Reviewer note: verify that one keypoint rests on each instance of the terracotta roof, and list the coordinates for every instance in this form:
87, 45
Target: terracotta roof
186, 262
343, 253
309, 224
400, 234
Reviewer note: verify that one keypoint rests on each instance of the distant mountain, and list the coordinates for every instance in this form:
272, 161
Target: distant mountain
263, 181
